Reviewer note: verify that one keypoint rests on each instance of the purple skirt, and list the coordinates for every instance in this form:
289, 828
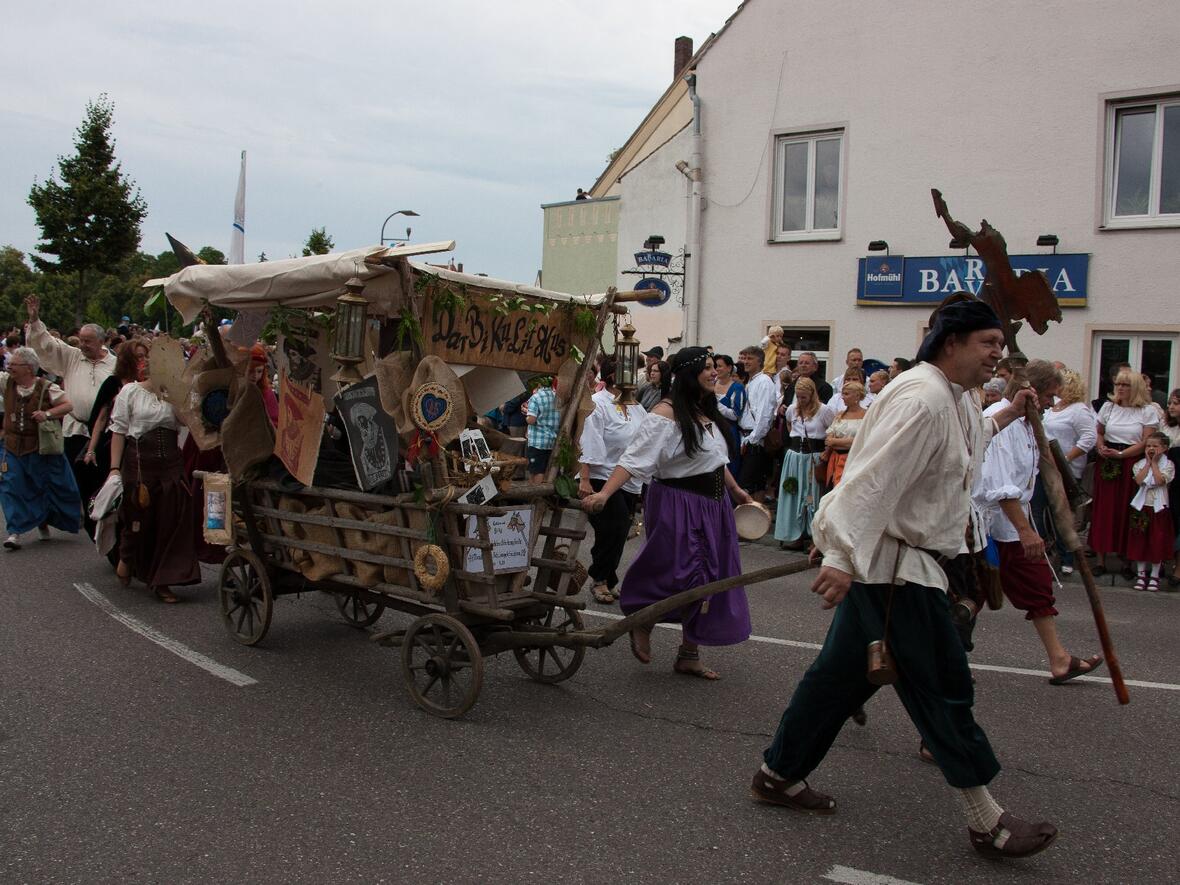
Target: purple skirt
690, 540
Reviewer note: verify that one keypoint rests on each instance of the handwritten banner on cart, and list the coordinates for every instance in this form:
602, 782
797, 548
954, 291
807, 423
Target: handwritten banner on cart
478, 335
511, 536
300, 430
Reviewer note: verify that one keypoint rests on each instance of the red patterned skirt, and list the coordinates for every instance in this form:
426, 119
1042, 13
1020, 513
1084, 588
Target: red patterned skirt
1150, 535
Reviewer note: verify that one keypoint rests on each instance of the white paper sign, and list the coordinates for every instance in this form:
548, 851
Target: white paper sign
510, 535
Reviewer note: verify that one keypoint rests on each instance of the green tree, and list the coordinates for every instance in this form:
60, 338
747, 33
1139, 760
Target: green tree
318, 242
209, 255
17, 281
91, 219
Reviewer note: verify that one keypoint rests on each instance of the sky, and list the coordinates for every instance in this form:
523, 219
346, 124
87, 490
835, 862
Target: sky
470, 113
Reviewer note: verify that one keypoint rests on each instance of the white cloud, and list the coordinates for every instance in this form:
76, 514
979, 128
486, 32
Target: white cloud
470, 113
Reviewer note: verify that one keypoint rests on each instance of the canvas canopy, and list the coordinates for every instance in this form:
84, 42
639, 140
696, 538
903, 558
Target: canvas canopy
316, 281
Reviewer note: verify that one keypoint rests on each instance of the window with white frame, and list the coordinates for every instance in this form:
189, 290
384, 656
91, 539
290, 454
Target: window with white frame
1143, 163
808, 171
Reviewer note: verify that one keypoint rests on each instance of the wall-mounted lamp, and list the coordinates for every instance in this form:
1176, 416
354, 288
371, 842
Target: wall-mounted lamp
879, 246
653, 242
1049, 240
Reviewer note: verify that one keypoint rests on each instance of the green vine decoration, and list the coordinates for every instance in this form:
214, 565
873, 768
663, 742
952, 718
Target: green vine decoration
1140, 521
566, 458
449, 301
408, 330
294, 324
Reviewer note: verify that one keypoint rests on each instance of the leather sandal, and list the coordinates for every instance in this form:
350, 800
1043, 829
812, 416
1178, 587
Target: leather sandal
1024, 840
602, 594
774, 791
695, 667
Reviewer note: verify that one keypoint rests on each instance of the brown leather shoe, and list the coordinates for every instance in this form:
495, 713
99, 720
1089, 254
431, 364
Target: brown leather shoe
1025, 839
768, 789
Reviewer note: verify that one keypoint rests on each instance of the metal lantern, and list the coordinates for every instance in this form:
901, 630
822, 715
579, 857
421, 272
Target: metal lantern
348, 345
626, 365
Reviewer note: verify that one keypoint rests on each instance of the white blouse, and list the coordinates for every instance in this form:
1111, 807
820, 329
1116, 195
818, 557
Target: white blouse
137, 411
1074, 426
815, 427
1124, 424
1172, 433
1150, 494
605, 435
844, 427
657, 450
53, 393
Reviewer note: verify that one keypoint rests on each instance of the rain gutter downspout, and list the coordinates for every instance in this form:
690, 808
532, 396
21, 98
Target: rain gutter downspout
692, 281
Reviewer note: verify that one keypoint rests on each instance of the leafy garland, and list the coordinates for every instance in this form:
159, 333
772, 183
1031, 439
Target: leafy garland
566, 459
1111, 469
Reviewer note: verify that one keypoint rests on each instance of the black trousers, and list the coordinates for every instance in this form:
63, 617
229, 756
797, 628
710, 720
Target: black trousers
89, 477
934, 685
611, 527
755, 468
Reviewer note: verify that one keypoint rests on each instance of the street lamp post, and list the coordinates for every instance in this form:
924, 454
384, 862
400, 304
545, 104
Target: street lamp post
406, 212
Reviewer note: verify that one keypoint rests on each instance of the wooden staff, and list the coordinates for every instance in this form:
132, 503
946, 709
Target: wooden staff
1063, 520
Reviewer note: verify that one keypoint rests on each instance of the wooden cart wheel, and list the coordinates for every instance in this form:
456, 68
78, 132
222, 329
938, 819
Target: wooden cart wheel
552, 663
245, 595
442, 665
359, 610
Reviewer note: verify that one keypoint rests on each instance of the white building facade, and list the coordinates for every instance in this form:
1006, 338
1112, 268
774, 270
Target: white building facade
823, 128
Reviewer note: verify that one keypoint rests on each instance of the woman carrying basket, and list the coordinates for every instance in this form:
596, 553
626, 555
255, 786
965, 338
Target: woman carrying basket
681, 451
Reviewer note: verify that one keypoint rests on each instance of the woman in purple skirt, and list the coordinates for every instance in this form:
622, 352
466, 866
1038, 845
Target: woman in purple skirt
680, 451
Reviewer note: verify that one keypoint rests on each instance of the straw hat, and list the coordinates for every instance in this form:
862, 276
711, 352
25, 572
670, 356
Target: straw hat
435, 400
393, 379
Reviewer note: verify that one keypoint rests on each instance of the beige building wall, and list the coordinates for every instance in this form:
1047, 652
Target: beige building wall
578, 255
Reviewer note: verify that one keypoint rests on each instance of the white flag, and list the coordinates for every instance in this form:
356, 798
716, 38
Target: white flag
237, 243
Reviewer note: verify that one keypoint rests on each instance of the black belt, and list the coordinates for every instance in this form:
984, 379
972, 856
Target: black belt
805, 444
1118, 447
708, 485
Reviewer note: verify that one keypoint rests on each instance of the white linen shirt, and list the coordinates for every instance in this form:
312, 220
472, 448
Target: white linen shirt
657, 451
761, 402
138, 411
904, 480
1009, 473
605, 435
815, 427
1074, 426
80, 377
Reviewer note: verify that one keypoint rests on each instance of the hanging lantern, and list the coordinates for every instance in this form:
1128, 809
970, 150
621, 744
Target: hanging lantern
626, 365
348, 344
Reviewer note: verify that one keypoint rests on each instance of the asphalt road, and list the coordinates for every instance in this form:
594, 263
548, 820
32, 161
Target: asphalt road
121, 760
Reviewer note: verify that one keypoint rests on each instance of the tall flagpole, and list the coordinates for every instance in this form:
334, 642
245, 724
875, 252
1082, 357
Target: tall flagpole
237, 243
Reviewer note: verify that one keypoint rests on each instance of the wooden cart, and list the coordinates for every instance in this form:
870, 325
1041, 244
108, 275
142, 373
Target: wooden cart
456, 625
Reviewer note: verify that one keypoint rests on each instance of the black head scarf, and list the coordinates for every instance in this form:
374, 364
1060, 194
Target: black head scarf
950, 319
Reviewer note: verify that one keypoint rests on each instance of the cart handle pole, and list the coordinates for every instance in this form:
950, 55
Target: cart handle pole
651, 614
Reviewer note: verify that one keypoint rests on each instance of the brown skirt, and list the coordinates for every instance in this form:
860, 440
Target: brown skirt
156, 540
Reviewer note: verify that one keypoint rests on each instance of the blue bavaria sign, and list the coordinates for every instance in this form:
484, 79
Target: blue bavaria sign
653, 258
894, 279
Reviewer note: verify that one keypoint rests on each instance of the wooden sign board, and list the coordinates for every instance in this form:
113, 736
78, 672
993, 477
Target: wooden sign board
512, 540
479, 336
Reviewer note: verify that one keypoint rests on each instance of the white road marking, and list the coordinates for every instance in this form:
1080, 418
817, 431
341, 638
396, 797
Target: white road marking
179, 649
992, 668
849, 876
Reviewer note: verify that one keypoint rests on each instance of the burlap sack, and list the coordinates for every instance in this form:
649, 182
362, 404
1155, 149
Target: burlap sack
312, 565
368, 573
247, 437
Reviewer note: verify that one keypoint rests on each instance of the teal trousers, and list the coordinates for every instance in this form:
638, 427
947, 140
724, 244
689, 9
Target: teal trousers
934, 685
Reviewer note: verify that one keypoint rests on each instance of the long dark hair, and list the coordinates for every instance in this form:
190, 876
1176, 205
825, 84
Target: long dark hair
691, 402
665, 378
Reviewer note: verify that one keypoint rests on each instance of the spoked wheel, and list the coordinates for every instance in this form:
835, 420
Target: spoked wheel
552, 663
245, 595
442, 665
359, 610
